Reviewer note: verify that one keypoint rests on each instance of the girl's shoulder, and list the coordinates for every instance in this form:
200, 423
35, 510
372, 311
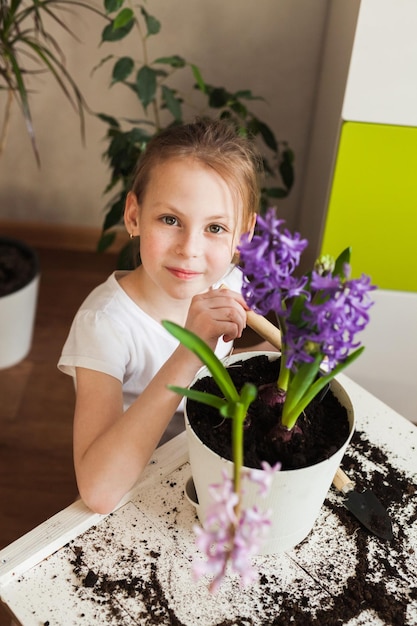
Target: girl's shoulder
109, 297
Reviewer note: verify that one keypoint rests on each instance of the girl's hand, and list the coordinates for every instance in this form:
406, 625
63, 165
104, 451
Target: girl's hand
216, 313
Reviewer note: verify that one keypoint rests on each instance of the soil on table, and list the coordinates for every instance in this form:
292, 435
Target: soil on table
320, 431
382, 579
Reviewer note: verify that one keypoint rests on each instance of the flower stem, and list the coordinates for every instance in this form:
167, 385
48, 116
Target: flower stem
237, 448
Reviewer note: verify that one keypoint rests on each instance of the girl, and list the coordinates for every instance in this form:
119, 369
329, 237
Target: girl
194, 193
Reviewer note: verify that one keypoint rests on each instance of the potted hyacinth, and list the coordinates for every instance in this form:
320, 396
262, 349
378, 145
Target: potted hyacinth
319, 315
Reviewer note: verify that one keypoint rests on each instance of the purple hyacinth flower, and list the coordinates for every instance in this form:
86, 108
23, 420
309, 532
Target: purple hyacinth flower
268, 261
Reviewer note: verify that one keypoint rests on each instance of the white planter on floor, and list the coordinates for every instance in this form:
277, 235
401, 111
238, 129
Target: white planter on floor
18, 309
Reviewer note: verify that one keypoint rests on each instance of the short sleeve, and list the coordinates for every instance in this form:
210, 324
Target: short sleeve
95, 341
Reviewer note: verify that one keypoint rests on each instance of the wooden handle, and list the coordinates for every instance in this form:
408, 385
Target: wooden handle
342, 482
262, 326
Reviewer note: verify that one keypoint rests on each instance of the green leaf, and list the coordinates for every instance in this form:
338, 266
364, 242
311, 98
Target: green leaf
114, 215
268, 136
105, 241
291, 418
113, 5
172, 102
174, 61
111, 34
218, 98
238, 108
248, 394
153, 26
124, 18
207, 356
200, 396
286, 168
342, 259
146, 85
122, 69
276, 192
112, 121
248, 95
301, 382
198, 77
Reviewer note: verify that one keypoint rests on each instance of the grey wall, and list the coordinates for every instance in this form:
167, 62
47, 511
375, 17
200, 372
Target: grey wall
273, 47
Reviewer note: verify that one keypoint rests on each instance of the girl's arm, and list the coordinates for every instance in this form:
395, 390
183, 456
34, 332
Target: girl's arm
112, 447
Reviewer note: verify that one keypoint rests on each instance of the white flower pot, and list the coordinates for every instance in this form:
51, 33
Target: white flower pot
295, 497
17, 316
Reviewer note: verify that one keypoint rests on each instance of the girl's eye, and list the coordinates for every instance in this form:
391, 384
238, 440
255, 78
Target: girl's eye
170, 220
215, 229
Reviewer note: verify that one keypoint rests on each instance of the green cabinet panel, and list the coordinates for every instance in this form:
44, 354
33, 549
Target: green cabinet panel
373, 203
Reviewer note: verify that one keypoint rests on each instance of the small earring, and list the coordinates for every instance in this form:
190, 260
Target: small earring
131, 235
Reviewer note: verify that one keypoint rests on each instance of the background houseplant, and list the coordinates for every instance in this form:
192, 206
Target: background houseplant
162, 104
319, 314
27, 50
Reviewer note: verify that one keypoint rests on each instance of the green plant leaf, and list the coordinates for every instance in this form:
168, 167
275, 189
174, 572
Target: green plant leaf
114, 215
207, 356
198, 77
342, 259
113, 5
123, 19
173, 104
248, 95
112, 121
111, 34
146, 85
174, 61
122, 69
105, 241
300, 382
276, 192
153, 26
292, 416
286, 168
218, 97
267, 135
200, 396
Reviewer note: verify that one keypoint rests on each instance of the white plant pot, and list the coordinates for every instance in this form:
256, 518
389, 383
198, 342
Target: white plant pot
295, 497
17, 317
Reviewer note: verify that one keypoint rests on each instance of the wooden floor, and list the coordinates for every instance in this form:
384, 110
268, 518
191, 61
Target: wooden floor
37, 401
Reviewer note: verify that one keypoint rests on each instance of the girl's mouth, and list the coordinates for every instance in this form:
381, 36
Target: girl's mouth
183, 274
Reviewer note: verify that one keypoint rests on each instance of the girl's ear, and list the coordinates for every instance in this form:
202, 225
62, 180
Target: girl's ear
131, 214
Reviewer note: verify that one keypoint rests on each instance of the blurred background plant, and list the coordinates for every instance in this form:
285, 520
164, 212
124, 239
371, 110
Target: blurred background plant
28, 50
162, 105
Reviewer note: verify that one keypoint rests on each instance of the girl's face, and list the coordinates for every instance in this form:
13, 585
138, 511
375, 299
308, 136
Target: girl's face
187, 228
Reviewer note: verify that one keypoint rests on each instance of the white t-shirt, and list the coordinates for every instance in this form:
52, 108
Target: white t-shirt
112, 334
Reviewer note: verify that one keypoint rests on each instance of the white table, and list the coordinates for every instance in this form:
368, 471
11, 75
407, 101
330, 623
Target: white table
81, 568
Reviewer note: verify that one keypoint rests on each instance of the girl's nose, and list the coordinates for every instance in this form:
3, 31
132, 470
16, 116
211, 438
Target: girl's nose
189, 245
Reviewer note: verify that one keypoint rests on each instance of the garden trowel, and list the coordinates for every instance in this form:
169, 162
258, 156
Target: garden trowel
365, 506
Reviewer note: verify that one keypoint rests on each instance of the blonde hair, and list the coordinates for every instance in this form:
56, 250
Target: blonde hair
216, 144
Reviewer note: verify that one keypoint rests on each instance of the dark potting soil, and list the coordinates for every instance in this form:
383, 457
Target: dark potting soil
320, 431
18, 266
